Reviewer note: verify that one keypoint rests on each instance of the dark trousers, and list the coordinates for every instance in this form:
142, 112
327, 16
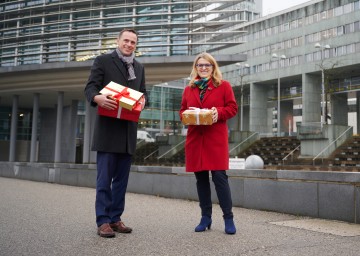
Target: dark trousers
112, 178
222, 188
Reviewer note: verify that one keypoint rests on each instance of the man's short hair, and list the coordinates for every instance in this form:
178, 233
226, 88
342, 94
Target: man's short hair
128, 30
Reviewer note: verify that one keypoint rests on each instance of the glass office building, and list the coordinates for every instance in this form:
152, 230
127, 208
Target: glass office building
42, 31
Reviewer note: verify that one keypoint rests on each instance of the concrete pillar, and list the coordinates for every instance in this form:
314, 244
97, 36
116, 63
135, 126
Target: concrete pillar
34, 128
93, 114
287, 118
14, 125
339, 109
246, 118
48, 133
258, 108
68, 134
311, 105
357, 112
87, 134
60, 103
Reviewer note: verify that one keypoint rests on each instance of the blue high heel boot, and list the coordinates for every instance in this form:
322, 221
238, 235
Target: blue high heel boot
205, 222
230, 226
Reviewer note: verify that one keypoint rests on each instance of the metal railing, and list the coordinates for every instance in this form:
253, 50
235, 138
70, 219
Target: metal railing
290, 154
327, 147
242, 142
146, 157
171, 149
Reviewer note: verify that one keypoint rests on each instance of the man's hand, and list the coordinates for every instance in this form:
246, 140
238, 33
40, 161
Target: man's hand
142, 102
106, 101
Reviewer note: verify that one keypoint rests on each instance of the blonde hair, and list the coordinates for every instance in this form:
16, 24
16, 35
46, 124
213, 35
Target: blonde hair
216, 76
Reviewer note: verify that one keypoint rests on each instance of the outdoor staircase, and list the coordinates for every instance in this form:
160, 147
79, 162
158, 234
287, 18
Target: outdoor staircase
348, 154
146, 154
177, 159
271, 149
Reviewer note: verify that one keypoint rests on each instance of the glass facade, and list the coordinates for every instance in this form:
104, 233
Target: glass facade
36, 32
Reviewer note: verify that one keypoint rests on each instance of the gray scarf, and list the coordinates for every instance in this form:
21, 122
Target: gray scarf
128, 60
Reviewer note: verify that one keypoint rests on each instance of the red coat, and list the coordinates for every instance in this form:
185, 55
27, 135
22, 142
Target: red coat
207, 146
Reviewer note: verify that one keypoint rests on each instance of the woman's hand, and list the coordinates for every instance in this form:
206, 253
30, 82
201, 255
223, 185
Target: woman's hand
214, 114
142, 102
105, 101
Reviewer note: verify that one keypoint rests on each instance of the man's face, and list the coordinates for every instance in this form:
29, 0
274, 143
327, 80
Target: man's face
127, 43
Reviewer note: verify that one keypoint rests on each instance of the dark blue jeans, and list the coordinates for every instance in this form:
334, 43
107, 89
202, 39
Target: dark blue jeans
222, 188
112, 178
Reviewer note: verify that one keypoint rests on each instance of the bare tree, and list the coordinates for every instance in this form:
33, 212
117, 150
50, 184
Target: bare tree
330, 72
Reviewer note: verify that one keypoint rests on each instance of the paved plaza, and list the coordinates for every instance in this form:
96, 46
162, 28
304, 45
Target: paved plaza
50, 219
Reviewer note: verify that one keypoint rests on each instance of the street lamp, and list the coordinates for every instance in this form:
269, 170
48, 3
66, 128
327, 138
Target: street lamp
161, 108
275, 56
242, 66
322, 47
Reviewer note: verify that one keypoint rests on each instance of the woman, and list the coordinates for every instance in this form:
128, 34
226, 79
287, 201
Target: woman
206, 147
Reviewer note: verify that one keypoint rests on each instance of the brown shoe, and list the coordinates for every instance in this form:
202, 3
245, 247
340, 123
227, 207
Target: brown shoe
105, 230
120, 227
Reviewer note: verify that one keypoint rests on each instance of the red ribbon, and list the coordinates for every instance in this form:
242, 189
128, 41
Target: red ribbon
124, 93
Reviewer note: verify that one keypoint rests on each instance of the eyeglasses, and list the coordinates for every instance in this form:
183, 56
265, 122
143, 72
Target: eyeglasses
204, 65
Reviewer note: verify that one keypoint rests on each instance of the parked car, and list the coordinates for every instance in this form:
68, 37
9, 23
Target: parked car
144, 135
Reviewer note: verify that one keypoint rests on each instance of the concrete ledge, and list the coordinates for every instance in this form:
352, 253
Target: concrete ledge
319, 194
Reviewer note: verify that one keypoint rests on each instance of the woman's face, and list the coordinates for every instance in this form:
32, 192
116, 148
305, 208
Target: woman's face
204, 68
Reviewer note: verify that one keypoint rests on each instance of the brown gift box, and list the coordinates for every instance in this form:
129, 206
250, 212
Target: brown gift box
126, 97
197, 116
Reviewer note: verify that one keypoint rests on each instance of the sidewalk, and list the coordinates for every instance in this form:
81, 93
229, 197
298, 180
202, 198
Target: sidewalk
39, 218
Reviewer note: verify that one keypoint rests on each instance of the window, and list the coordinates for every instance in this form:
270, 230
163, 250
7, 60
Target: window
341, 50
357, 5
295, 42
357, 26
338, 11
286, 26
327, 53
324, 15
294, 60
340, 30
288, 43
317, 37
309, 57
316, 17
309, 38
317, 55
294, 24
324, 34
349, 28
350, 48
348, 8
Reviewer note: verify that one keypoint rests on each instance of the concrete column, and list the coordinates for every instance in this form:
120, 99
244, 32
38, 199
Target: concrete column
258, 108
60, 103
357, 112
339, 109
68, 134
14, 125
93, 114
233, 123
34, 128
246, 118
311, 105
286, 117
87, 134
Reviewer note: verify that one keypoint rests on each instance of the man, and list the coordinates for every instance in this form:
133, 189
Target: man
114, 139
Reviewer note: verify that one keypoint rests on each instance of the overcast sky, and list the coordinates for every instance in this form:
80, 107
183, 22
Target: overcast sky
271, 6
